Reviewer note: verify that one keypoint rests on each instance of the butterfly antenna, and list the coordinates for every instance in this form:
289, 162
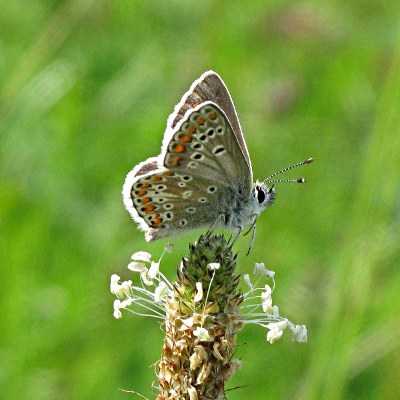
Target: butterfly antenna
300, 180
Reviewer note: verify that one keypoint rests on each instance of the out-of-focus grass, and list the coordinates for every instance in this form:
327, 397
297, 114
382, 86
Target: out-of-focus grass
372, 236
85, 90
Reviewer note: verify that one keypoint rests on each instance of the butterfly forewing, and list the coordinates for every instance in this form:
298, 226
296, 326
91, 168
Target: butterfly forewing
204, 146
210, 87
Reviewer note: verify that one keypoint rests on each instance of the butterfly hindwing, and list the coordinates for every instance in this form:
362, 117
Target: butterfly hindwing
164, 202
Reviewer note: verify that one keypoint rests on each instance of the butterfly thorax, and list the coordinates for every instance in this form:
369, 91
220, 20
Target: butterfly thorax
247, 206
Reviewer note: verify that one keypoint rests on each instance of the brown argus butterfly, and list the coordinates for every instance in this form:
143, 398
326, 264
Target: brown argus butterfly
203, 176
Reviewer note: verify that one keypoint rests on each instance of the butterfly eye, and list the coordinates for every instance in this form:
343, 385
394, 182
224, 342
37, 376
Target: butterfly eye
260, 195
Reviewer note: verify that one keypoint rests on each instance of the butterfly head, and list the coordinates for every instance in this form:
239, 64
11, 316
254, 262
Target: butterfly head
264, 195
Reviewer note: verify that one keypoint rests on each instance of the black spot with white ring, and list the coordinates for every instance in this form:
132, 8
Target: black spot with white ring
194, 116
184, 127
219, 150
198, 156
197, 146
193, 164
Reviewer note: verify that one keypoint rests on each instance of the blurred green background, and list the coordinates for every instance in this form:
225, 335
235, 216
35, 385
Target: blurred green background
86, 88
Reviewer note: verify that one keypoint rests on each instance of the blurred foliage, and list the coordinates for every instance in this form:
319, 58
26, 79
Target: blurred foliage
85, 90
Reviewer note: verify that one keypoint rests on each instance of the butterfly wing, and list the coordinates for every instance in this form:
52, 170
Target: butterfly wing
200, 174
210, 87
203, 171
164, 202
203, 145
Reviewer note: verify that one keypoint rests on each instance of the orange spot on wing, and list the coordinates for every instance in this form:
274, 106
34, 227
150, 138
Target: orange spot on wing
141, 193
149, 209
146, 185
157, 178
192, 129
178, 148
213, 116
157, 220
168, 173
175, 161
185, 138
146, 200
200, 121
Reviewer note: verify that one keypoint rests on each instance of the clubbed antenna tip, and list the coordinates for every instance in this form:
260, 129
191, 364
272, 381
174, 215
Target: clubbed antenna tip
299, 180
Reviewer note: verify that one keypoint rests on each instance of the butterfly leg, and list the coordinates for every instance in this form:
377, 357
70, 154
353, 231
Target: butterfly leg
253, 237
235, 235
220, 219
249, 230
